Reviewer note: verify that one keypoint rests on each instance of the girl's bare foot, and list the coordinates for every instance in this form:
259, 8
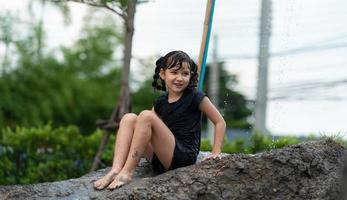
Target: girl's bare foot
106, 180
119, 181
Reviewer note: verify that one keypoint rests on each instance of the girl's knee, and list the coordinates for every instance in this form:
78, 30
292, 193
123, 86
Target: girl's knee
129, 118
146, 115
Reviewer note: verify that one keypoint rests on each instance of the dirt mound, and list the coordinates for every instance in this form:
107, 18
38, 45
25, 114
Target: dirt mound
305, 171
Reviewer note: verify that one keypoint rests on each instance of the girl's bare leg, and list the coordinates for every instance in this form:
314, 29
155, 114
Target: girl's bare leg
149, 152
122, 146
149, 129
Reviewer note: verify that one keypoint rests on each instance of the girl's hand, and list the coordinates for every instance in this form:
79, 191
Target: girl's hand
214, 156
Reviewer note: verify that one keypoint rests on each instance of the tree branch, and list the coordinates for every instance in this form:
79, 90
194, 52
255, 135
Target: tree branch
96, 3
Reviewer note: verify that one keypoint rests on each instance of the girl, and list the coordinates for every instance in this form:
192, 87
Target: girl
169, 134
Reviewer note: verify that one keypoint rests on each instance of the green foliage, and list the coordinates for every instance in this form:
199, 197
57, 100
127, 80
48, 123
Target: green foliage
78, 89
261, 142
258, 143
33, 155
235, 146
205, 145
232, 104
284, 141
144, 97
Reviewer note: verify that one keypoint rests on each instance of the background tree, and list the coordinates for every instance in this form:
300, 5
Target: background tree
37, 18
65, 91
126, 10
8, 36
234, 107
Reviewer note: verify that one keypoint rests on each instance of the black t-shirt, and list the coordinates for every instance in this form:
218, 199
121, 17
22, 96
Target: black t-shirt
183, 118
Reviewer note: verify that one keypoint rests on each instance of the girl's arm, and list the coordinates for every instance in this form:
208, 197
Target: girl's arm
213, 114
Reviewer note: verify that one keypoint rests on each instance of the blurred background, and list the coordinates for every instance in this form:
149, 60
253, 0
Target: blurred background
282, 75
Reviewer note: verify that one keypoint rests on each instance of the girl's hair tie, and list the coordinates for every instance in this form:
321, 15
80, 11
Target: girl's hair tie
160, 63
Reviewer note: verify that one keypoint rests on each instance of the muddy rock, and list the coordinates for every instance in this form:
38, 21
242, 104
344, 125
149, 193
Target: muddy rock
306, 171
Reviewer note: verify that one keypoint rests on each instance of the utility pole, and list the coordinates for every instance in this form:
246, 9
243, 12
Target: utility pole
263, 58
213, 86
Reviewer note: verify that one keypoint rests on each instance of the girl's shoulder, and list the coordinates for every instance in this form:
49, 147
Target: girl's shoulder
196, 97
160, 99
198, 94
159, 103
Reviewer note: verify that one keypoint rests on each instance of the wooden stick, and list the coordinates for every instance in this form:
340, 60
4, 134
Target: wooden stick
204, 34
205, 42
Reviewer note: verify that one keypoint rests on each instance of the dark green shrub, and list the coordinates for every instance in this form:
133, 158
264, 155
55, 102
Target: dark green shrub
258, 143
33, 155
205, 145
284, 141
235, 146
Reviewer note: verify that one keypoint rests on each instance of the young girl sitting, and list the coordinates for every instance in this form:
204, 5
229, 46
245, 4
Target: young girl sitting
169, 134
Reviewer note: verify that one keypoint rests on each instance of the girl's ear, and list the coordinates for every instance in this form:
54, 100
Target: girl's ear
162, 74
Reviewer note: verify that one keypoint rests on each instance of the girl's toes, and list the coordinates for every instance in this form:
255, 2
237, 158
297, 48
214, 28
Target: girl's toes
100, 185
104, 181
113, 185
96, 184
118, 182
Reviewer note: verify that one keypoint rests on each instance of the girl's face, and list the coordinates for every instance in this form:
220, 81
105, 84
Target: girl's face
176, 80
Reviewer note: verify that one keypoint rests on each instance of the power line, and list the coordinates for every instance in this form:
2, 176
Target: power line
311, 85
289, 52
306, 91
308, 98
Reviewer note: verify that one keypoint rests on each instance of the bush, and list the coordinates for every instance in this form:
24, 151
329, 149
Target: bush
205, 145
33, 155
235, 146
284, 141
258, 143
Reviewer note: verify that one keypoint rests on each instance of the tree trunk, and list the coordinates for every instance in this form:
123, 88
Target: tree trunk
124, 101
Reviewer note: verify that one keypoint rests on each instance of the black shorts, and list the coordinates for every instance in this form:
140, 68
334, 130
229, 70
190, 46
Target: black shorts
180, 158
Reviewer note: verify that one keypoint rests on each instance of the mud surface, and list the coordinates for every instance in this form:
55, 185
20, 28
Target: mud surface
305, 171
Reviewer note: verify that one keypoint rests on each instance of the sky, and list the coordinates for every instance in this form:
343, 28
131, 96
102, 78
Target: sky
307, 69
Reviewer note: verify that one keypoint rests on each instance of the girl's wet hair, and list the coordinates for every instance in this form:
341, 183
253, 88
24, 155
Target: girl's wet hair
171, 60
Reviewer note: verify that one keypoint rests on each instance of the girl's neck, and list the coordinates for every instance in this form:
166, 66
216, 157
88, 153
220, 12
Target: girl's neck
172, 97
